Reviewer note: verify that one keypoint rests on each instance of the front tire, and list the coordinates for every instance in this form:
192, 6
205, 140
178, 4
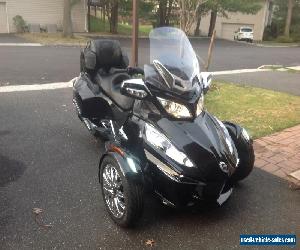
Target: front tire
123, 199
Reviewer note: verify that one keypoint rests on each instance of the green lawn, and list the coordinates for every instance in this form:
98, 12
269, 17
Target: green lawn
98, 25
261, 112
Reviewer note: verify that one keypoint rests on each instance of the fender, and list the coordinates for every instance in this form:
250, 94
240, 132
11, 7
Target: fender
235, 131
129, 165
243, 144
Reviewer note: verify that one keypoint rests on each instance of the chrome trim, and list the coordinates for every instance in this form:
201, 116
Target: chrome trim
161, 166
137, 81
76, 106
224, 197
163, 73
224, 167
165, 201
112, 128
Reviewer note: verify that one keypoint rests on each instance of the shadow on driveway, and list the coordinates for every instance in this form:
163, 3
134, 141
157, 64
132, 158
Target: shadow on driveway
10, 170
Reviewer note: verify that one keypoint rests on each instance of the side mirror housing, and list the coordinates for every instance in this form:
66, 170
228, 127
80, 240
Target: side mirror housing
134, 88
206, 81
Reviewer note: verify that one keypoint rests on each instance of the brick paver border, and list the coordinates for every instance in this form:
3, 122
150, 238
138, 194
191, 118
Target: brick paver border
279, 153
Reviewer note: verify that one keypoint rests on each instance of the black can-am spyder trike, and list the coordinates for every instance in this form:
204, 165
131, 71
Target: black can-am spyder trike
157, 133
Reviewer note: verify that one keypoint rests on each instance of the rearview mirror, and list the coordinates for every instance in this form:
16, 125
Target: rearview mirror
206, 80
134, 88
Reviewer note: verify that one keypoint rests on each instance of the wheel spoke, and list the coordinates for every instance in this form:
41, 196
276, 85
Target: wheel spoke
117, 206
108, 190
107, 174
106, 180
112, 175
113, 191
121, 204
119, 194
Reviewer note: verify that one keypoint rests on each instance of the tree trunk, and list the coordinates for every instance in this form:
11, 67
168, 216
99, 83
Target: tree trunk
197, 28
212, 24
114, 17
67, 21
198, 14
169, 11
162, 11
183, 15
291, 4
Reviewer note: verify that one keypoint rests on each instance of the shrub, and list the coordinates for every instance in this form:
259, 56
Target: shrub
19, 24
270, 33
296, 37
284, 39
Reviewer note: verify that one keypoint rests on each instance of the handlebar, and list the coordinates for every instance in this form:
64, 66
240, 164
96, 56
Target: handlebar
128, 70
135, 70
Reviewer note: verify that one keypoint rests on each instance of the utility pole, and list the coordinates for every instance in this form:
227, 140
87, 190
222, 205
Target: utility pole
135, 33
210, 49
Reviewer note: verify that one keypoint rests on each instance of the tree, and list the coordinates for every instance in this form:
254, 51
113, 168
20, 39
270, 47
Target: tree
221, 7
145, 9
190, 13
67, 18
114, 16
67, 21
200, 11
290, 7
278, 26
164, 12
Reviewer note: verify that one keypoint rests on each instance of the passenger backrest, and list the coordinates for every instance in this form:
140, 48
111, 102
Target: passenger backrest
103, 54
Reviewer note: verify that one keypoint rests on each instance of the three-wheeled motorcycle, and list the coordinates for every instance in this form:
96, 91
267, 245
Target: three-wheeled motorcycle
156, 130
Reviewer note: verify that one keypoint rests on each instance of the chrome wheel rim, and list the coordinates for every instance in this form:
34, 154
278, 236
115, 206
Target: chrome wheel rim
113, 191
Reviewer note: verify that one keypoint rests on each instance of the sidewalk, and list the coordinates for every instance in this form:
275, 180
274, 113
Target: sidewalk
279, 154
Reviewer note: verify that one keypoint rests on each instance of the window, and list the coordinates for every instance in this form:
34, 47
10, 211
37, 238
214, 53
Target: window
246, 30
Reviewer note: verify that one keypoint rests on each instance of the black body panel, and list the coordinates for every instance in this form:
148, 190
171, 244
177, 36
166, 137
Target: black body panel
203, 142
217, 151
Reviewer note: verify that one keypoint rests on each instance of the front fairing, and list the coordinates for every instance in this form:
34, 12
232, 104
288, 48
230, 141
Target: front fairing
205, 143
173, 65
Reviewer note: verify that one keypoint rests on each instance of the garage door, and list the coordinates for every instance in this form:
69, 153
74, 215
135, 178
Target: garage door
3, 18
228, 29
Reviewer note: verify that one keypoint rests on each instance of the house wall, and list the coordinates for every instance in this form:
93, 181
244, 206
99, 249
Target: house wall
224, 26
45, 12
3, 17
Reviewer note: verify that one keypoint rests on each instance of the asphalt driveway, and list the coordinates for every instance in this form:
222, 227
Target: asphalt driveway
275, 80
48, 160
28, 65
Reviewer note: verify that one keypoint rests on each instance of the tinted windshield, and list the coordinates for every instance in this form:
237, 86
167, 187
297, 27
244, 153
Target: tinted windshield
171, 47
246, 30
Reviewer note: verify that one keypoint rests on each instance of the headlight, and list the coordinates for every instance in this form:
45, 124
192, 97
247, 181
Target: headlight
200, 105
161, 142
175, 109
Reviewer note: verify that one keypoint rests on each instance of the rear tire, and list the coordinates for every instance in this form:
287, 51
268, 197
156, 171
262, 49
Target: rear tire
128, 194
